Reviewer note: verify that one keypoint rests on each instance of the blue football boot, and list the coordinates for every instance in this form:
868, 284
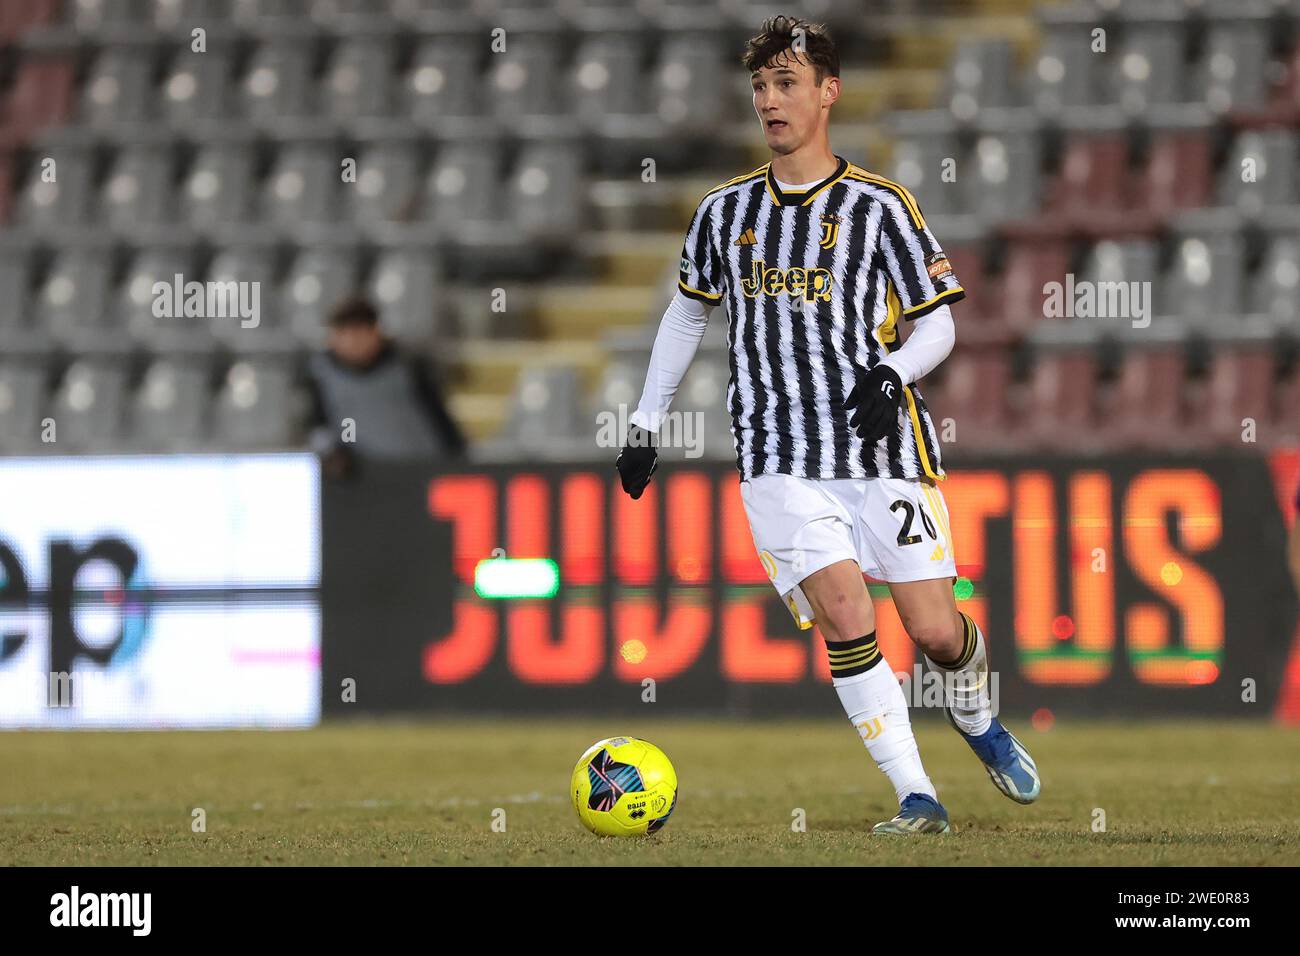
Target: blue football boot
1005, 758
919, 813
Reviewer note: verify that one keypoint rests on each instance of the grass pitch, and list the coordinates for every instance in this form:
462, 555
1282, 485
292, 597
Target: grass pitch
1183, 793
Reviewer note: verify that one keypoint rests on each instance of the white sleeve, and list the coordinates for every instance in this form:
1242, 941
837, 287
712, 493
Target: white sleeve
931, 340
679, 336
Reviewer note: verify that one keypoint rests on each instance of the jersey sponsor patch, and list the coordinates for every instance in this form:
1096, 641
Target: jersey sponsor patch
938, 266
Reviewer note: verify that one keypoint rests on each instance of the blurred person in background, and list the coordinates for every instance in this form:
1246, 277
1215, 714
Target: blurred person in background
371, 402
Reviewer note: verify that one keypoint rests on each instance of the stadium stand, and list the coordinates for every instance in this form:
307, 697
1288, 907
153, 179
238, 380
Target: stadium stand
518, 213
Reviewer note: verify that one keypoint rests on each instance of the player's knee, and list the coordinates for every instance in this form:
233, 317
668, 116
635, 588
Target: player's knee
941, 640
844, 616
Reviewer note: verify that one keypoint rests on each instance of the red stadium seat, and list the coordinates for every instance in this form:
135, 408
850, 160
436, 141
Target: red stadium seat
1177, 174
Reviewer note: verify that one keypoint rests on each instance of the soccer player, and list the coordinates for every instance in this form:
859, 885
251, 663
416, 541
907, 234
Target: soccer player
816, 260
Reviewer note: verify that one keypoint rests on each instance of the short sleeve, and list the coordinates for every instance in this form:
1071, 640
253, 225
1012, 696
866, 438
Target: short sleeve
921, 273
700, 275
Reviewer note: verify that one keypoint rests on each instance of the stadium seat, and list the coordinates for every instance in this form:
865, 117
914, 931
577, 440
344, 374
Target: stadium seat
278, 84
358, 78
41, 94
1150, 62
404, 287
119, 87
136, 296
443, 82
1231, 73
169, 408
1064, 75
1205, 281
1061, 407
303, 185
72, 303
1004, 180
219, 186
1276, 285
138, 189
318, 278
24, 401
545, 416
1147, 407
979, 76
257, 406
690, 84
89, 408
1260, 171
387, 186
198, 88
59, 193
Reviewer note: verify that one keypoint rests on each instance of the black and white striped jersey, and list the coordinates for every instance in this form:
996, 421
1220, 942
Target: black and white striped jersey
814, 283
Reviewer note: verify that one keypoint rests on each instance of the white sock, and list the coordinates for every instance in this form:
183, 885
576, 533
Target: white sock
966, 682
877, 708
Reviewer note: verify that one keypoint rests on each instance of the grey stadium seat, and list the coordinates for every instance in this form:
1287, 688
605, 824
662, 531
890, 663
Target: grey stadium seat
358, 77
1150, 71
73, 300
198, 88
253, 268
980, 76
136, 296
317, 279
67, 200
1064, 74
1232, 69
169, 408
388, 181
404, 287
119, 88
463, 186
219, 186
255, 406
545, 190
15, 284
547, 409
1272, 155
689, 82
90, 405
1003, 181
607, 77
303, 185
138, 188
1276, 286
443, 81
1205, 280
524, 80
24, 401
926, 139
278, 82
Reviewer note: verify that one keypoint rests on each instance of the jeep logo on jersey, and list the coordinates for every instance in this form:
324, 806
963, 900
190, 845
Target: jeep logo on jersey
809, 283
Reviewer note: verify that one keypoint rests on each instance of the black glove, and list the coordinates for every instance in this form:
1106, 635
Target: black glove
875, 396
637, 462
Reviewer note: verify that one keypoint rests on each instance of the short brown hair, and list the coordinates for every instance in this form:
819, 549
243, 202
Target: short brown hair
354, 310
778, 34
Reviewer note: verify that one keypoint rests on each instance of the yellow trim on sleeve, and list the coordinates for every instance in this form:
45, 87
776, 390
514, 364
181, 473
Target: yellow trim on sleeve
705, 295
938, 298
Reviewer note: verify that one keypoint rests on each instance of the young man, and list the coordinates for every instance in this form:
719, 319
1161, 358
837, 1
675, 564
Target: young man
816, 260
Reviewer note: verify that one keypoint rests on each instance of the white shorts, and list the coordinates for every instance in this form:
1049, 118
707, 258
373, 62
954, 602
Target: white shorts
896, 529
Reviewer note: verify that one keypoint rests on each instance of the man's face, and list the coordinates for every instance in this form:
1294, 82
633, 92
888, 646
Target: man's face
790, 102
355, 343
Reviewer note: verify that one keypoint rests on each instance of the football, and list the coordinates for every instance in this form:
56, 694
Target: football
623, 786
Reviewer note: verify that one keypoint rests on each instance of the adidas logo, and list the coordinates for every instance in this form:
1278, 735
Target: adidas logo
747, 238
